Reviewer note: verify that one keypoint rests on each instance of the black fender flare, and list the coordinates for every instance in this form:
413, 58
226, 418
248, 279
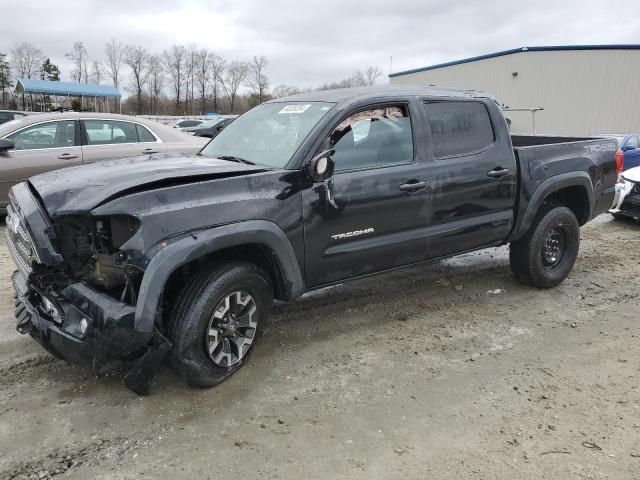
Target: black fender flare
546, 188
173, 254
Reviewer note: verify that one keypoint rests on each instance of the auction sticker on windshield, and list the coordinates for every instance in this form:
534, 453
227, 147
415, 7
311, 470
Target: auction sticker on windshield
295, 108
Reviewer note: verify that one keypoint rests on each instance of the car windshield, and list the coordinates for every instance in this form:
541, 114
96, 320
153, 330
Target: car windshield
269, 134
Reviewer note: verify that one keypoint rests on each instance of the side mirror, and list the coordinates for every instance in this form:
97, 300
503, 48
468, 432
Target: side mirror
321, 166
629, 147
6, 145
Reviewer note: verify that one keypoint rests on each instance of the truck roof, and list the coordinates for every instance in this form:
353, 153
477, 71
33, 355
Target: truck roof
352, 95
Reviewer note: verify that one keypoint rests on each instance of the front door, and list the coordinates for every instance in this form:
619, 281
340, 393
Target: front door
39, 148
374, 216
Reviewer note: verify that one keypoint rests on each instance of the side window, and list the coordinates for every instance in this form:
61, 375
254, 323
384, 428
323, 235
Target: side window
145, 135
45, 135
373, 138
632, 142
107, 132
459, 128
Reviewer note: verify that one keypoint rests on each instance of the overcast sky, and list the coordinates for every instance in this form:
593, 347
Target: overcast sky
309, 42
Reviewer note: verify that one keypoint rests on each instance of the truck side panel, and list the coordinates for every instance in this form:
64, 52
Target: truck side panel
587, 167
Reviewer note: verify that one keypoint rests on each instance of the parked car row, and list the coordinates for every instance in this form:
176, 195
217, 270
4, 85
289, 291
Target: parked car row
39, 143
202, 128
212, 128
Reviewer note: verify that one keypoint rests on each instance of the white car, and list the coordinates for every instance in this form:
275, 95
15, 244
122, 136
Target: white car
186, 124
627, 200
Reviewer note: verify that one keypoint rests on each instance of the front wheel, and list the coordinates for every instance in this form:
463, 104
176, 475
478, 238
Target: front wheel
544, 257
216, 321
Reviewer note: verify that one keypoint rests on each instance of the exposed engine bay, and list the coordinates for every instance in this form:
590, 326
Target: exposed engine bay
90, 248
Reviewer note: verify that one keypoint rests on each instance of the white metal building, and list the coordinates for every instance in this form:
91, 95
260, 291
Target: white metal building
582, 89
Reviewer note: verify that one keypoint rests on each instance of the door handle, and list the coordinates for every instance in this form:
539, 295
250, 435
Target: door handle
498, 172
149, 150
412, 186
67, 156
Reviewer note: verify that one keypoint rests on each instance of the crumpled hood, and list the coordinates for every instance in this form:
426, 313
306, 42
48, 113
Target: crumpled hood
80, 189
633, 174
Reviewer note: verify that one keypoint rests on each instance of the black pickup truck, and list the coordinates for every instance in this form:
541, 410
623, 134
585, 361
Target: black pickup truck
181, 256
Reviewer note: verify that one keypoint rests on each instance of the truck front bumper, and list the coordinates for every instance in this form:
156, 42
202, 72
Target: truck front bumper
82, 326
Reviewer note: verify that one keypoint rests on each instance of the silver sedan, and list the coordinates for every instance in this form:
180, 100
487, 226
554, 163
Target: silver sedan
39, 143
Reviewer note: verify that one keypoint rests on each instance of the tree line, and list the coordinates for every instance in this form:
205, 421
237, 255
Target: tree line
181, 80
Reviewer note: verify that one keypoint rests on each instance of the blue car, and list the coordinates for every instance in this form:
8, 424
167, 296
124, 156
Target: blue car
628, 150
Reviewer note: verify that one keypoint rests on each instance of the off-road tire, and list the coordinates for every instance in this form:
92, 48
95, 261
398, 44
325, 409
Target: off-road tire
194, 308
528, 262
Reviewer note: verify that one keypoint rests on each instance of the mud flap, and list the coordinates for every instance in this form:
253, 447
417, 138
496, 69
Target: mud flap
139, 377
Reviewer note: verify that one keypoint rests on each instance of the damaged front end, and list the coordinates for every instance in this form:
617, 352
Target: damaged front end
76, 291
627, 199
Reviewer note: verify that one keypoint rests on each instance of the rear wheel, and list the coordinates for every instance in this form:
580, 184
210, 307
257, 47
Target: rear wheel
216, 321
544, 257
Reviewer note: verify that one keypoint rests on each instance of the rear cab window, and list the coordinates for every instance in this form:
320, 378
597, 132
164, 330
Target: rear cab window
459, 127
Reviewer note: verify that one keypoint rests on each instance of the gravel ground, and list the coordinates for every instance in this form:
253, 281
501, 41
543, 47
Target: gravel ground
418, 374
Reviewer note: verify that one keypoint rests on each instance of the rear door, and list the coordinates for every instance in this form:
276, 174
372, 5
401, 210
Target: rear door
472, 178
378, 217
105, 139
39, 148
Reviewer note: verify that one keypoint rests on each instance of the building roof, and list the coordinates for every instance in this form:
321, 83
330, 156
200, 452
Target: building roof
555, 48
33, 85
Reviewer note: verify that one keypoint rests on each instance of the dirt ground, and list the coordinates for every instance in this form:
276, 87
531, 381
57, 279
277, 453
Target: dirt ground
417, 374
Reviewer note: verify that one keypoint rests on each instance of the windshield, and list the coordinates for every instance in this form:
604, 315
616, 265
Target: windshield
269, 134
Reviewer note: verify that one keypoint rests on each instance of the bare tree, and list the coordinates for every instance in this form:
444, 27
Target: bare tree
257, 79
136, 57
203, 75
97, 72
5, 77
235, 74
27, 60
192, 70
114, 51
78, 55
218, 66
155, 82
175, 62
284, 91
371, 74
358, 79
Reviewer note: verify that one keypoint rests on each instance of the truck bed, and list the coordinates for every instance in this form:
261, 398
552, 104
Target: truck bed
540, 158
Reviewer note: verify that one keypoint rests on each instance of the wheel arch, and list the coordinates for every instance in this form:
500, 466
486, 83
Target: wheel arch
573, 190
258, 241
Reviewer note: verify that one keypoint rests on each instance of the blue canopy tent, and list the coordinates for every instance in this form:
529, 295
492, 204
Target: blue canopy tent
63, 91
